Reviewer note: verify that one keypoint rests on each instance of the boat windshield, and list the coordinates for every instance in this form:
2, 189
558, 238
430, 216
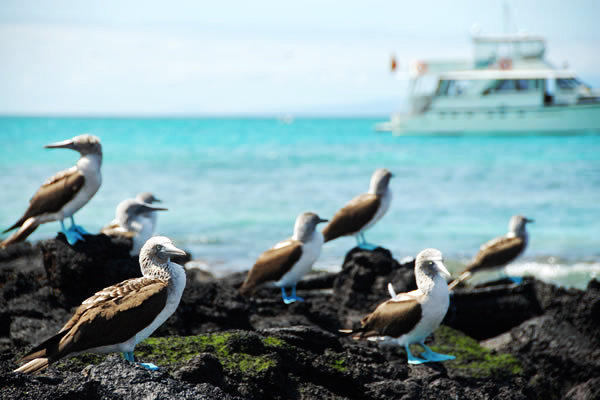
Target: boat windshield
454, 87
568, 84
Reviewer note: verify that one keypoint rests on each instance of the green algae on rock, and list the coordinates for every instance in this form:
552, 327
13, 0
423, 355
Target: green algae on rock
78, 362
230, 348
473, 360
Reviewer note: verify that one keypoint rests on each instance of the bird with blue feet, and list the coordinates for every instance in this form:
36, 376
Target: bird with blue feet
289, 260
409, 318
65, 193
118, 317
499, 252
362, 212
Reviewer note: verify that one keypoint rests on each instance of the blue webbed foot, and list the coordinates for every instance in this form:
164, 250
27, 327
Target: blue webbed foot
415, 361
516, 279
297, 298
72, 235
362, 243
77, 228
149, 366
431, 355
412, 359
129, 357
290, 299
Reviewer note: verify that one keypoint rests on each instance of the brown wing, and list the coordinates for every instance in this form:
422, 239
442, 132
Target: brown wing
111, 316
115, 229
496, 254
272, 265
391, 318
53, 194
352, 217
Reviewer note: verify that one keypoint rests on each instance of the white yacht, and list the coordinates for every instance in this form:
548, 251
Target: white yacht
508, 88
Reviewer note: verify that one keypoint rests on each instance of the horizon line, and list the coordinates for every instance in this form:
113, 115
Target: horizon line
278, 116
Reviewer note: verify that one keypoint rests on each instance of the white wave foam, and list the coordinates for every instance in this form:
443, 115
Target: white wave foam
568, 275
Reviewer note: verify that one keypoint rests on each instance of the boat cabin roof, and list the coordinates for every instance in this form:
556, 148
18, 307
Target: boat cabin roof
516, 38
491, 74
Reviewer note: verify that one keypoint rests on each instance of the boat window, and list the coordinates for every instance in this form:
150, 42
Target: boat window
502, 85
505, 84
442, 88
527, 84
567, 84
522, 84
453, 87
447, 88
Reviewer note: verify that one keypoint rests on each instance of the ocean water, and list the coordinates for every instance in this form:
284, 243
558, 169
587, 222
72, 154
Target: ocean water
235, 186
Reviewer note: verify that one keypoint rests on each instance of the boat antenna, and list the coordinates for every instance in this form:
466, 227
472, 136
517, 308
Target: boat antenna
506, 17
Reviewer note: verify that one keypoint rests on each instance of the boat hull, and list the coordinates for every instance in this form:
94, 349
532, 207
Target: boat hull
568, 119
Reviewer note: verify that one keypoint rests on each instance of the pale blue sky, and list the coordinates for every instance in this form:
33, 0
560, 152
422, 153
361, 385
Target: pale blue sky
264, 57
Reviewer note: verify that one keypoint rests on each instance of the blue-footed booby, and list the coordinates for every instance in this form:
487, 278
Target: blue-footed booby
65, 193
289, 260
363, 211
149, 220
134, 219
409, 318
118, 317
499, 251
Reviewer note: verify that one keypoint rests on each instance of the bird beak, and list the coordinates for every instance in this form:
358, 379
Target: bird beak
148, 207
529, 220
323, 220
170, 250
65, 144
154, 199
443, 269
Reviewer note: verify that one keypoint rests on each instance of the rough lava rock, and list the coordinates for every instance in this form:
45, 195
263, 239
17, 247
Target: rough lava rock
541, 342
497, 308
90, 265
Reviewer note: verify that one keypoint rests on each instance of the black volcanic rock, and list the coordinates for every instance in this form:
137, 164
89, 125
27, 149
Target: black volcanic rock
208, 306
485, 312
218, 344
112, 379
562, 346
90, 265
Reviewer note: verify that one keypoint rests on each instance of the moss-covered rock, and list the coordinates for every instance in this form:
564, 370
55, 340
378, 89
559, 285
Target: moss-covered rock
236, 351
77, 363
472, 360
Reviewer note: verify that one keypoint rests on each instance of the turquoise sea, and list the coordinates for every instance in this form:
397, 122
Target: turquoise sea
234, 186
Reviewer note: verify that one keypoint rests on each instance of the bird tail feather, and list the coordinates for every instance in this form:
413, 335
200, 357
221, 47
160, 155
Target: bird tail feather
35, 365
15, 225
44, 354
356, 334
247, 290
24, 231
465, 275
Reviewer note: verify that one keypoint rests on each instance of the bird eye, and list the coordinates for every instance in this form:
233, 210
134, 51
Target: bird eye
159, 247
